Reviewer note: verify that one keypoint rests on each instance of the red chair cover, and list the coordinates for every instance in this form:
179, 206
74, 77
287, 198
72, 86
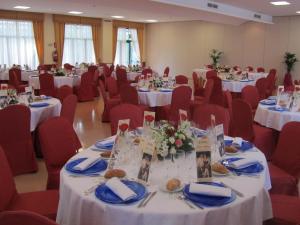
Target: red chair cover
250, 94
44, 203
207, 92
92, 68
202, 116
15, 80
261, 85
250, 68
211, 74
235, 68
197, 89
147, 71
271, 80
68, 66
63, 92
68, 108
18, 74
121, 77
217, 92
228, 100
108, 103
24, 218
112, 87
260, 70
45, 67
166, 71
209, 66
126, 111
85, 91
47, 85
111, 69
106, 71
59, 143
15, 138
181, 79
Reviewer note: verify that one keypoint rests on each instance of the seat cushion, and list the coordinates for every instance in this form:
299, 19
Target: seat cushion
264, 140
282, 182
43, 202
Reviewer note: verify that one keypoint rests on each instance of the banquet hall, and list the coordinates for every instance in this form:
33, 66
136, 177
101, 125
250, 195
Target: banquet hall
149, 112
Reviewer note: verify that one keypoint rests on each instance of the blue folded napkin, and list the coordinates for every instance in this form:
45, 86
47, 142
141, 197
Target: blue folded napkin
106, 143
40, 104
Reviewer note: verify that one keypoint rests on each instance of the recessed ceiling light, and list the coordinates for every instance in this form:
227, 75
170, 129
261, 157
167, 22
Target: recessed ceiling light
151, 21
118, 17
298, 12
280, 3
21, 7
75, 12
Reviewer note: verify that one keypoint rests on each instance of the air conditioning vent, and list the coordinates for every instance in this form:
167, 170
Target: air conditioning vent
257, 16
212, 5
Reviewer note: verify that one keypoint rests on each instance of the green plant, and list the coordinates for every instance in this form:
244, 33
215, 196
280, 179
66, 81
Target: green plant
290, 59
215, 55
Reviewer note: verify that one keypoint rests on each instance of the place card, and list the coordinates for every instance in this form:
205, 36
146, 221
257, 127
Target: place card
203, 160
28, 89
3, 86
148, 147
183, 116
149, 119
123, 126
3, 92
219, 130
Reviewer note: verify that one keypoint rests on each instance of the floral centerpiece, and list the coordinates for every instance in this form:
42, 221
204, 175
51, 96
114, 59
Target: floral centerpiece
223, 69
158, 82
60, 73
83, 65
215, 55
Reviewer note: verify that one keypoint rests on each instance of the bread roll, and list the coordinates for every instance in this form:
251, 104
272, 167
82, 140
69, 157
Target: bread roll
105, 154
219, 168
115, 173
173, 184
231, 149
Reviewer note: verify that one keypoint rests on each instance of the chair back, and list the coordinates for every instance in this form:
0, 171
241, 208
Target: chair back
210, 74
260, 70
202, 116
68, 108
22, 217
146, 71
271, 80
208, 90
47, 85
7, 188
126, 111
101, 89
112, 86
111, 69
261, 85
87, 80
11, 80
195, 81
129, 94
286, 154
181, 99
16, 140
68, 66
166, 71
92, 68
217, 92
242, 120
209, 66
63, 92
228, 100
121, 77
236, 68
250, 94
181, 79
106, 71
249, 68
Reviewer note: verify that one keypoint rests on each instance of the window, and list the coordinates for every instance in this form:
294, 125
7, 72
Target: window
78, 45
127, 51
17, 43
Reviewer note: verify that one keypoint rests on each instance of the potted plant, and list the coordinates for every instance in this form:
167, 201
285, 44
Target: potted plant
215, 55
289, 59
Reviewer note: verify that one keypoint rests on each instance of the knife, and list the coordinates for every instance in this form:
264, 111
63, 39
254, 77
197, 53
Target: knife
145, 198
234, 190
150, 197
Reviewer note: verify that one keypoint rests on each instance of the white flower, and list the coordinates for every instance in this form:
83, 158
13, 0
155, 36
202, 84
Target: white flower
173, 151
182, 136
172, 140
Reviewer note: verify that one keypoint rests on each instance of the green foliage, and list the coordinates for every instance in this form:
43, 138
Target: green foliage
290, 59
215, 55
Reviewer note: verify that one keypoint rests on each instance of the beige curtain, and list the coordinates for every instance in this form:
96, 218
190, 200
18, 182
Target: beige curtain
59, 30
140, 33
114, 41
96, 40
38, 29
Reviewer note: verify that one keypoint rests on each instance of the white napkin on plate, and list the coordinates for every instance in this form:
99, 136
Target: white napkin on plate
237, 141
87, 163
107, 141
243, 163
120, 189
209, 190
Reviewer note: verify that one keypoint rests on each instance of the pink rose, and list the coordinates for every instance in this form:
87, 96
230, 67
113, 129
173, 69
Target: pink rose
178, 143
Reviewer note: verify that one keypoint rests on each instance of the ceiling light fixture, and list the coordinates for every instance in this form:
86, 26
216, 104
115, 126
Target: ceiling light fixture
21, 7
298, 12
280, 3
75, 12
151, 21
118, 17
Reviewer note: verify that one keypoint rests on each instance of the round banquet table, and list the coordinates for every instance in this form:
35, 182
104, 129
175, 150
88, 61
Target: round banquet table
40, 114
78, 208
155, 98
4, 74
58, 81
130, 75
274, 119
236, 86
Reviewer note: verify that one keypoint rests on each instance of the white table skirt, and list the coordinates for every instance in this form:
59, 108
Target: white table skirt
38, 115
4, 75
58, 81
256, 75
130, 75
236, 86
155, 98
76, 208
273, 119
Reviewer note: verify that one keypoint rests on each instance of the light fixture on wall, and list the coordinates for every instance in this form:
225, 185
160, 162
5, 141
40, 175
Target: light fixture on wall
118, 17
298, 12
75, 12
21, 7
151, 21
280, 3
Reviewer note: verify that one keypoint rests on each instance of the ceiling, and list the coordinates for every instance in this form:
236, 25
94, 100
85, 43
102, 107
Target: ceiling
142, 10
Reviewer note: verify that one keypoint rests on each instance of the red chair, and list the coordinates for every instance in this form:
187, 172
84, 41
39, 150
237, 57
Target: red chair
181, 99
111, 69
126, 111
285, 210
68, 108
43, 202
228, 101
24, 218
59, 143
63, 92
260, 70
147, 71
109, 103
112, 87
217, 92
18, 74
95, 83
261, 85
202, 116
15, 138
209, 66
166, 71
236, 68
121, 77
68, 66
130, 95
250, 68
181, 79
85, 91
198, 90
285, 163
211, 74
250, 94
45, 67
47, 85
242, 126
92, 68
14, 80
271, 80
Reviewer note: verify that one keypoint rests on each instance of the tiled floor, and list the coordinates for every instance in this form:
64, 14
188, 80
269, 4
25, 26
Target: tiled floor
89, 128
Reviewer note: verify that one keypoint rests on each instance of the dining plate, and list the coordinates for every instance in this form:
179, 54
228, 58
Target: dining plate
38, 105
205, 200
246, 145
103, 193
278, 109
252, 169
268, 102
99, 166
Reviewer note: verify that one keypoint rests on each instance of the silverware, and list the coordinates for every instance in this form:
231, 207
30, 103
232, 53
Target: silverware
145, 198
150, 197
86, 175
238, 193
189, 203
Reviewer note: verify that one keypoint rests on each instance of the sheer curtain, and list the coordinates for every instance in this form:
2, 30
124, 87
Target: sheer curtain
17, 43
122, 49
78, 44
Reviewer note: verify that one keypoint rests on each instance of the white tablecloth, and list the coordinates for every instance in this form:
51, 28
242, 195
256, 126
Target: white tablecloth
235, 86
155, 98
4, 75
58, 81
256, 75
130, 75
38, 115
76, 208
274, 119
